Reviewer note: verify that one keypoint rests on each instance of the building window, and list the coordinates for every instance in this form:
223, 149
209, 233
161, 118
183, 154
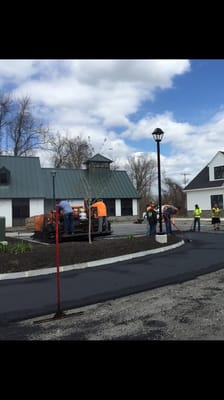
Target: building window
20, 211
219, 172
126, 207
110, 203
99, 165
217, 199
4, 176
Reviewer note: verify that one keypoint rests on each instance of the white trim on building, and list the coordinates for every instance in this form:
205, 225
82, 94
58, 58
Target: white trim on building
6, 211
117, 207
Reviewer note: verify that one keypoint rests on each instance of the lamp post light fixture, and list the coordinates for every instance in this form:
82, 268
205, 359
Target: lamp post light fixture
157, 136
53, 174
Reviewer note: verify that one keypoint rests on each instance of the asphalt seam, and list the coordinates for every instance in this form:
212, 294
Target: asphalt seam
89, 264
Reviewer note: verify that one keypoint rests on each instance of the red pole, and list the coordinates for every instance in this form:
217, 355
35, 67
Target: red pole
57, 261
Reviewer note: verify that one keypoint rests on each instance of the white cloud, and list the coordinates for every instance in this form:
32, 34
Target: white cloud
107, 89
190, 147
92, 98
15, 70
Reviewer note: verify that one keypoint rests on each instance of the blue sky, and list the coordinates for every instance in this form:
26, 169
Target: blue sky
196, 95
118, 104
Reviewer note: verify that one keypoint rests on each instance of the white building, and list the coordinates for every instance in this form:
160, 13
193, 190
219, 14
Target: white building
207, 188
26, 189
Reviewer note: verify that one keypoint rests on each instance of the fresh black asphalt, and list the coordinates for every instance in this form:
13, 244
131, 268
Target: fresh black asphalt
37, 296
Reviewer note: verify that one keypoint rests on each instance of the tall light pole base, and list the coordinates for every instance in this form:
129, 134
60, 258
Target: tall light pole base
59, 314
161, 237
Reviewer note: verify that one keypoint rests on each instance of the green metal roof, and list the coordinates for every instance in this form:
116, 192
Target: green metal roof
26, 178
29, 180
99, 159
71, 183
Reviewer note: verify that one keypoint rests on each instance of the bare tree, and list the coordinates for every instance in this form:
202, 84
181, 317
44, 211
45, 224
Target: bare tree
172, 193
78, 151
5, 108
141, 171
70, 153
115, 166
58, 145
24, 131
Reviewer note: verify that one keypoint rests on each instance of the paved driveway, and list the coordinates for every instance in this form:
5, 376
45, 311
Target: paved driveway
181, 224
31, 297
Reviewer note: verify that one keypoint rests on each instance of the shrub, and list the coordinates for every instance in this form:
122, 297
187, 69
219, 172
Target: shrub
17, 248
4, 247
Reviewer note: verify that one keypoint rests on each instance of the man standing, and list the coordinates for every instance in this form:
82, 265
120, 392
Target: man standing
64, 205
216, 212
151, 219
102, 215
197, 217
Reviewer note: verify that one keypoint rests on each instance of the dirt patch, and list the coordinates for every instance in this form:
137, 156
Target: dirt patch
74, 252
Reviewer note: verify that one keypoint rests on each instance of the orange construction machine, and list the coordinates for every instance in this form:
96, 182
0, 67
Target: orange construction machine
44, 229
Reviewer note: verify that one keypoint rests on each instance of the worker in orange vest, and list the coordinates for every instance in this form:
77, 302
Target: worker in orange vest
102, 214
151, 218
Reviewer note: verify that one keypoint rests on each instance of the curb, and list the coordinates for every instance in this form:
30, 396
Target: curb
89, 264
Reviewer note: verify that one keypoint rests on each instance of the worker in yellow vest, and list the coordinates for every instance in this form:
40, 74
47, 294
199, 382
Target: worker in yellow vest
216, 212
197, 216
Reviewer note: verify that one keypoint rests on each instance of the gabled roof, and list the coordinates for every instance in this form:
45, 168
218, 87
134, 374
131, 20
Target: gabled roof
201, 181
213, 158
29, 180
26, 177
98, 158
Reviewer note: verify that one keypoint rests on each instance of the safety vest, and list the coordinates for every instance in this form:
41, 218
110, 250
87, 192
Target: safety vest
197, 212
101, 208
216, 212
151, 215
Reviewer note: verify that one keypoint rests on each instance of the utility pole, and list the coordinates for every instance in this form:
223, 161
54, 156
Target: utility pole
185, 175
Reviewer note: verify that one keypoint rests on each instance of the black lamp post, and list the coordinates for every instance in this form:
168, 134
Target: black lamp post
53, 174
157, 136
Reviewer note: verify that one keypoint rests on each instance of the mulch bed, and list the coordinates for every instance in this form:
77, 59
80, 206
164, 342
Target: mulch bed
74, 252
